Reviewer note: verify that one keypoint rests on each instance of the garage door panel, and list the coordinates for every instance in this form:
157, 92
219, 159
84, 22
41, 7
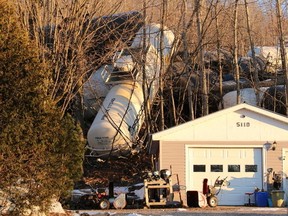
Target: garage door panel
244, 184
217, 153
237, 154
241, 166
201, 154
235, 199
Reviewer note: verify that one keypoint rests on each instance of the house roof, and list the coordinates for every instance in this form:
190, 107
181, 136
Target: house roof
261, 115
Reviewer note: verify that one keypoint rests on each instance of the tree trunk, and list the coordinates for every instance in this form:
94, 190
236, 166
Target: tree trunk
218, 55
255, 74
235, 50
162, 65
203, 77
282, 50
146, 104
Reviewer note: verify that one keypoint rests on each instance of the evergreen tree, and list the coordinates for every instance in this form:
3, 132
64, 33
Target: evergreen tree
40, 152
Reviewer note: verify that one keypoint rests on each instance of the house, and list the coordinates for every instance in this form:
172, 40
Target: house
241, 143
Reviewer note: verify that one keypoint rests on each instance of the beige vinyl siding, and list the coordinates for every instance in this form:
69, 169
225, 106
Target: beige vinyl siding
172, 155
275, 157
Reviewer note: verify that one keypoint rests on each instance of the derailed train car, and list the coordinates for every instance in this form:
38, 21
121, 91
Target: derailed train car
115, 128
269, 57
275, 99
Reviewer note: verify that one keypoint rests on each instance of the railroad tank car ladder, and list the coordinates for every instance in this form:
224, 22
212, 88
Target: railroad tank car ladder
124, 74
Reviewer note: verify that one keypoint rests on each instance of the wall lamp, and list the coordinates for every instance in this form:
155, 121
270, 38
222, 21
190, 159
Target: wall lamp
273, 147
270, 146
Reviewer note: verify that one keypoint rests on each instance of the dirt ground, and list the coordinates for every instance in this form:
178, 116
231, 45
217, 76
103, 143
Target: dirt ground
122, 171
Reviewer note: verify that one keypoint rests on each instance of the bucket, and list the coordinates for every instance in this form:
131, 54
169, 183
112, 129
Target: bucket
261, 199
278, 198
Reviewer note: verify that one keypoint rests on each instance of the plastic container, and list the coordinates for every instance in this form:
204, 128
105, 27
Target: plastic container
270, 204
278, 198
261, 199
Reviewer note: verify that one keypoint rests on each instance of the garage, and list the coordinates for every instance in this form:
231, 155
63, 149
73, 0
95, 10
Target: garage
241, 143
241, 166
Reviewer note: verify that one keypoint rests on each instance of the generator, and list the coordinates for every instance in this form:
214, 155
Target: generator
158, 190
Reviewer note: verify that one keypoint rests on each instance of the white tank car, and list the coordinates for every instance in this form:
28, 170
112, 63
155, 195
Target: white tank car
114, 126
152, 70
152, 66
117, 124
153, 37
271, 53
247, 95
94, 92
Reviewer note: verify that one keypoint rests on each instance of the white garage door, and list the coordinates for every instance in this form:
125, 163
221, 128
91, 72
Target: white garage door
241, 166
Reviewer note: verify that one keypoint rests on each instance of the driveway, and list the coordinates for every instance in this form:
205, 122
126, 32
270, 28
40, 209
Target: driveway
219, 210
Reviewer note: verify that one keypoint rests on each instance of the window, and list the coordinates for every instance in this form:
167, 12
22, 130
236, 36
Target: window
216, 168
199, 168
250, 168
233, 168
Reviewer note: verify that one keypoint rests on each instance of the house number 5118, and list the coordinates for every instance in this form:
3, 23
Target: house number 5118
242, 124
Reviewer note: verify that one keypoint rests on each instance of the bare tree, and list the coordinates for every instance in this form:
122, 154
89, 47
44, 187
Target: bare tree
203, 77
162, 68
255, 78
235, 49
74, 39
218, 54
282, 49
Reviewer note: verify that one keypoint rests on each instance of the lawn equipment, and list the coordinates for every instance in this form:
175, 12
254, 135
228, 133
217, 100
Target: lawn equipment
92, 198
212, 191
158, 190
